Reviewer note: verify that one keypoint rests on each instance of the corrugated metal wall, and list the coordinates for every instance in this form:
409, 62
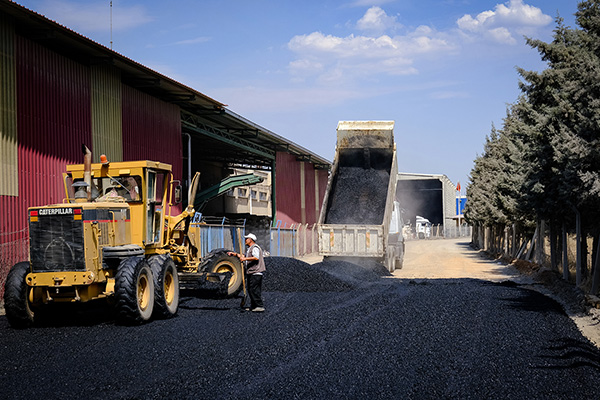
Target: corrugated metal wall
289, 175
287, 186
9, 182
151, 129
106, 105
309, 193
53, 104
53, 120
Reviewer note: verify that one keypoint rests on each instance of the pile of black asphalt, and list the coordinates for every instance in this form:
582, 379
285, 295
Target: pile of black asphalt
330, 330
358, 197
359, 189
286, 274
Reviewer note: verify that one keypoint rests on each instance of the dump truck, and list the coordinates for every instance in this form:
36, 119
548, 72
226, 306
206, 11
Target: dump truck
359, 204
116, 236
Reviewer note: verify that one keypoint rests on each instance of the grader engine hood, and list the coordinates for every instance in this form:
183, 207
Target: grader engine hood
56, 239
61, 236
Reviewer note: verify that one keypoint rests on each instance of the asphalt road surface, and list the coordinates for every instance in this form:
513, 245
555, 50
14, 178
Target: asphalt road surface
331, 330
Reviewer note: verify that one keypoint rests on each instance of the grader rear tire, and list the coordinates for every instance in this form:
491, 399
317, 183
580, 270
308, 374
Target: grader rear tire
16, 303
220, 262
166, 286
134, 291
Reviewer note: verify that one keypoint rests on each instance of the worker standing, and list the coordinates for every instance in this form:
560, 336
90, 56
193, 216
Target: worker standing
255, 267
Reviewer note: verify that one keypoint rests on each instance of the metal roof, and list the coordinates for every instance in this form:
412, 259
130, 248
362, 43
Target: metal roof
220, 134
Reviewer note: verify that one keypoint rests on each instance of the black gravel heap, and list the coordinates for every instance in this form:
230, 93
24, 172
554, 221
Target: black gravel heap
390, 339
290, 275
359, 188
357, 271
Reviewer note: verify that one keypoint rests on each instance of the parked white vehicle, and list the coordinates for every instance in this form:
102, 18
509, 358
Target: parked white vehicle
422, 227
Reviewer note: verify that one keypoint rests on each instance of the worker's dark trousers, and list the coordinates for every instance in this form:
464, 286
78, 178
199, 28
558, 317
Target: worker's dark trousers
254, 283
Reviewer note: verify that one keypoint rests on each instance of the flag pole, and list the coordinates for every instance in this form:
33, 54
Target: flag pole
458, 205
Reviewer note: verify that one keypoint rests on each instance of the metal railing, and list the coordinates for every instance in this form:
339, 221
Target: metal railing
217, 233
294, 241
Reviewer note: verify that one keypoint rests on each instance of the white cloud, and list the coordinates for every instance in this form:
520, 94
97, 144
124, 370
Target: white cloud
376, 20
253, 99
201, 39
371, 54
445, 95
94, 17
353, 56
500, 25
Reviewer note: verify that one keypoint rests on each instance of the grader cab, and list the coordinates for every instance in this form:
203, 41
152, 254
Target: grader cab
114, 237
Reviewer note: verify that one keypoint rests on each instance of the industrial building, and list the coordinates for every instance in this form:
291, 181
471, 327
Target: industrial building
59, 90
431, 196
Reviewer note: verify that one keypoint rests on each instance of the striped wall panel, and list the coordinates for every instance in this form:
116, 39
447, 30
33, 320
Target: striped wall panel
53, 104
53, 120
300, 190
106, 106
8, 111
287, 186
309, 193
151, 130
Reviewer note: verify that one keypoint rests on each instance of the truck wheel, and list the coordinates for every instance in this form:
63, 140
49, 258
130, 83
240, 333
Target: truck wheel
166, 286
220, 262
16, 303
134, 291
390, 261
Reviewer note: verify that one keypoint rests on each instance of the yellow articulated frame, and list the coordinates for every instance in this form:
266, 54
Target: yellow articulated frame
67, 287
62, 287
58, 279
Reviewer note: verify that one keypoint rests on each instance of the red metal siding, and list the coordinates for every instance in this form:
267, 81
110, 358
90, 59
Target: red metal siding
309, 193
151, 130
53, 120
287, 189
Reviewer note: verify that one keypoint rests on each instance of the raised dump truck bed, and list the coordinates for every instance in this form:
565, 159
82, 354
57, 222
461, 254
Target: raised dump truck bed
358, 206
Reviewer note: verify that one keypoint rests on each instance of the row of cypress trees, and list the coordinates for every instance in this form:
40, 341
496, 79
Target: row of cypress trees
544, 162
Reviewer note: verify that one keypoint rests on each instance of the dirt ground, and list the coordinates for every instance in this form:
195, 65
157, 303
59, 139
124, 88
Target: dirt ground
454, 258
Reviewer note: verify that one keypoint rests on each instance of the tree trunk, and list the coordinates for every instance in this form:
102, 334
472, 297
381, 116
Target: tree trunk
515, 247
578, 265
596, 278
565, 253
594, 253
506, 249
539, 248
533, 244
585, 271
553, 247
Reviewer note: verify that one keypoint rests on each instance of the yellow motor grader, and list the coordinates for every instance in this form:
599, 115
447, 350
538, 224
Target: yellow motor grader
114, 237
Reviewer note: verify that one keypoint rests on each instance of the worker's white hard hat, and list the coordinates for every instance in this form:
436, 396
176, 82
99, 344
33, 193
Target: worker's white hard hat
251, 236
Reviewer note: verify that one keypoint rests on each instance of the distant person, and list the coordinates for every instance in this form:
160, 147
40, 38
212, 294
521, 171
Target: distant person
255, 267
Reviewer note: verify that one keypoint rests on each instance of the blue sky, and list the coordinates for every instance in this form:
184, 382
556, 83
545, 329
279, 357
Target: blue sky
443, 70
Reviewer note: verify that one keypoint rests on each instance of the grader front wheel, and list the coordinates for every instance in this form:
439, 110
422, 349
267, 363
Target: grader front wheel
16, 303
134, 291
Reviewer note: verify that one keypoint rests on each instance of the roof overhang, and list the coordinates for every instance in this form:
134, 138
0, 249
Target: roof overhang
222, 134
